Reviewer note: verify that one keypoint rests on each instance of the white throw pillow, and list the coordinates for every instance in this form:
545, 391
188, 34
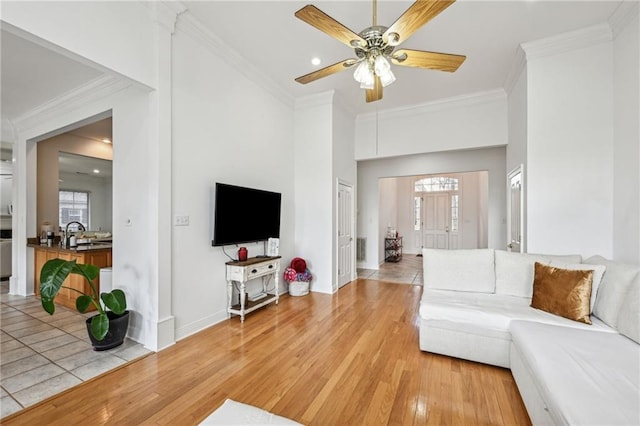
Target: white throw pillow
629, 317
514, 271
461, 270
613, 288
598, 272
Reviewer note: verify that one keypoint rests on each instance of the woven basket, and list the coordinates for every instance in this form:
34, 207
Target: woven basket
298, 288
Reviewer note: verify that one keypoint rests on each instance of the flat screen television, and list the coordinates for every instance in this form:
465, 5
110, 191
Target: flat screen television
244, 215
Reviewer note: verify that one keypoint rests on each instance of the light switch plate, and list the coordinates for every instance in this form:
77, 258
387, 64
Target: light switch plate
181, 220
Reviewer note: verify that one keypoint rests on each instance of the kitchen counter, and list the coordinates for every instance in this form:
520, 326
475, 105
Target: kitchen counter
81, 247
98, 254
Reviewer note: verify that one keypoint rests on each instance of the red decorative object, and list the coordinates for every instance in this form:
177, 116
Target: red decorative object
242, 253
299, 264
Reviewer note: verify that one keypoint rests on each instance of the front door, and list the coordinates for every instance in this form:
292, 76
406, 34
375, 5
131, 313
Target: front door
345, 234
436, 220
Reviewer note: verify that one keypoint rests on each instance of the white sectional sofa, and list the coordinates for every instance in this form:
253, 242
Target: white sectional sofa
476, 306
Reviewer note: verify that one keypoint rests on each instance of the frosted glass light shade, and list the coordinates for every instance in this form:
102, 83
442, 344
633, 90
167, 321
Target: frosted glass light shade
360, 74
381, 65
387, 78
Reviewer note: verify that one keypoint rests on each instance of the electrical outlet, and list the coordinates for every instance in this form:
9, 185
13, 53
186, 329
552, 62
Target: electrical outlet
181, 220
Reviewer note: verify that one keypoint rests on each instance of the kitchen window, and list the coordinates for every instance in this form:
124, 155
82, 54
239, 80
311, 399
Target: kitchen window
73, 206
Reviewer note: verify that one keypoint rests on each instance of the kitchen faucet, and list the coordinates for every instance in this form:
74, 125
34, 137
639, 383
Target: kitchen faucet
67, 237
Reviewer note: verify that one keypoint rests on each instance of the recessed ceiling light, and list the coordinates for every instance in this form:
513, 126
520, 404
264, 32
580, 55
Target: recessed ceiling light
96, 171
315, 61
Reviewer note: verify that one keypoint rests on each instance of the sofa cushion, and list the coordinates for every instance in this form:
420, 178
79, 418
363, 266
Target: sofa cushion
598, 273
629, 316
460, 270
489, 314
613, 288
583, 376
562, 292
514, 271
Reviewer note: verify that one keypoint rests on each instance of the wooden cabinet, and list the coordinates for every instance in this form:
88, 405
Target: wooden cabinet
67, 297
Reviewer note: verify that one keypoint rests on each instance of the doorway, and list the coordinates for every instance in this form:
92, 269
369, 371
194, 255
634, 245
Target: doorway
345, 234
443, 211
515, 214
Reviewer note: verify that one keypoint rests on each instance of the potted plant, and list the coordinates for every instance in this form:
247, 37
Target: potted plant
107, 329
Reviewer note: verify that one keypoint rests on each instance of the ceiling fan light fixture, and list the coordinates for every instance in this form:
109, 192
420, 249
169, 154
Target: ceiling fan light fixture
387, 78
381, 65
362, 71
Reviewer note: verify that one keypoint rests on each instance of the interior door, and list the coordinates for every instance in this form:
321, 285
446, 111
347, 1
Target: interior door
515, 222
436, 220
345, 234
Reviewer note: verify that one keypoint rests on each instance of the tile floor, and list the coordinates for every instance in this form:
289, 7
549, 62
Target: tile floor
407, 271
41, 355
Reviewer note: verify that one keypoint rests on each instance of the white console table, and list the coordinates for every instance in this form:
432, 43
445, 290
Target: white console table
241, 272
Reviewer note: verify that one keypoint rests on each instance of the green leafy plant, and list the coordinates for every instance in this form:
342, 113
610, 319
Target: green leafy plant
52, 276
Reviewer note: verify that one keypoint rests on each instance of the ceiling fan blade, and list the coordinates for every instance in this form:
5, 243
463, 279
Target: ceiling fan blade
430, 60
326, 71
418, 14
325, 23
375, 94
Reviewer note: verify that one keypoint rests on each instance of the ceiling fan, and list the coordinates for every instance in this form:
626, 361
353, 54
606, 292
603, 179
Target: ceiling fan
375, 46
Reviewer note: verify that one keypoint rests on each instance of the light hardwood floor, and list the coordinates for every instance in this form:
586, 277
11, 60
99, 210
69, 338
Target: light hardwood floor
346, 359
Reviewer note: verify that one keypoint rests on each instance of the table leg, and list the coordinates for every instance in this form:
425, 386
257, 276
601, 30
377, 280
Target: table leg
242, 293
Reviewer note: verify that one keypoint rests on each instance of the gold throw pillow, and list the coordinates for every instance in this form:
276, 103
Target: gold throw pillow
562, 292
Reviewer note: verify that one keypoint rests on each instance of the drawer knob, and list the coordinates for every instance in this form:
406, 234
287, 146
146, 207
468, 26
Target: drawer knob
253, 271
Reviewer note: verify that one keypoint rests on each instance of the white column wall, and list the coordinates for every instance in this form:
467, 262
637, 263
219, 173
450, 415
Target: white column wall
570, 152
626, 149
344, 170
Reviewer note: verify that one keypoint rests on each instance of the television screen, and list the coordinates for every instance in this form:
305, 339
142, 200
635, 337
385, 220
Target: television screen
243, 215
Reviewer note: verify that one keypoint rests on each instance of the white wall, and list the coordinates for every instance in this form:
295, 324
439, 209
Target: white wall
344, 170
228, 129
387, 217
626, 148
314, 189
370, 216
570, 152
434, 127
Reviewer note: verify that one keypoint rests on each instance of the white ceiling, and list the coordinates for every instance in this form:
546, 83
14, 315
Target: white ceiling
267, 35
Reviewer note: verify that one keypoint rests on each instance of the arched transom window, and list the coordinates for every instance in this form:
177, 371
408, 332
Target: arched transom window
436, 183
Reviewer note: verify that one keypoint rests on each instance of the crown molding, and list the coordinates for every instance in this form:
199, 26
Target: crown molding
190, 26
566, 42
517, 66
316, 99
462, 101
623, 15
166, 12
80, 96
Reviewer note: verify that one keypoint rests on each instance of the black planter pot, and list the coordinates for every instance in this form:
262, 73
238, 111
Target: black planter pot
118, 325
